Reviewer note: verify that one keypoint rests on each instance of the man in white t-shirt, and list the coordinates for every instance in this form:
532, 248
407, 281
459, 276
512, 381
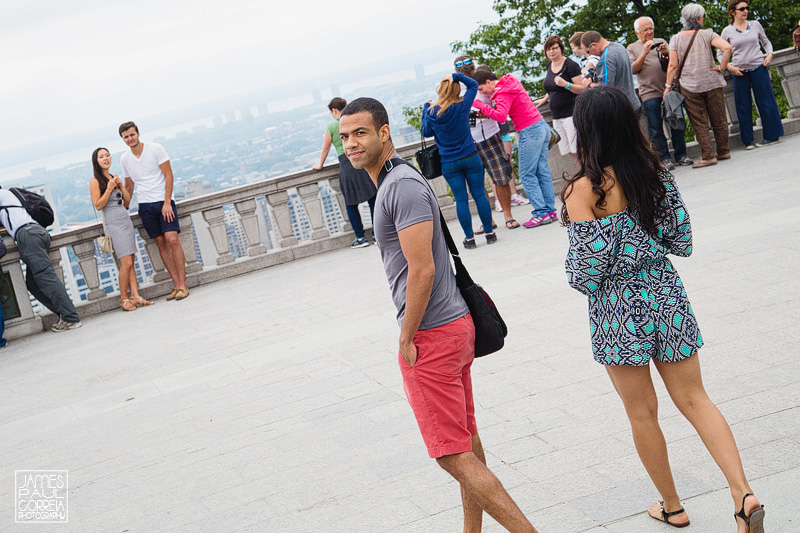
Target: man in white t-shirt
147, 167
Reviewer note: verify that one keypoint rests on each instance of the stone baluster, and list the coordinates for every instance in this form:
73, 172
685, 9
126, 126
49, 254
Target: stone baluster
279, 202
440, 188
313, 206
337, 189
55, 259
219, 234
790, 80
730, 103
186, 237
159, 270
88, 262
247, 215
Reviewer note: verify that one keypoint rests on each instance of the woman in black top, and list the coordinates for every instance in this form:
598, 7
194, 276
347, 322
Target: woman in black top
563, 82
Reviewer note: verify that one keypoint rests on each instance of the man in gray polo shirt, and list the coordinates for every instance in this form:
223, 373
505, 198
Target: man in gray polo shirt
614, 67
437, 337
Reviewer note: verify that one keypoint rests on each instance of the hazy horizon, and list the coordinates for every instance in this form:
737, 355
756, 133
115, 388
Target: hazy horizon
81, 67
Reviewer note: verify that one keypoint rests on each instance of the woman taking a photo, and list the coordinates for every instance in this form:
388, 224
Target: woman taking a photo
750, 72
512, 100
110, 196
701, 82
563, 82
448, 122
625, 215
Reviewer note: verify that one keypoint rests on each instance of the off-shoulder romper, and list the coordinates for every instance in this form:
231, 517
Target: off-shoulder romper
638, 306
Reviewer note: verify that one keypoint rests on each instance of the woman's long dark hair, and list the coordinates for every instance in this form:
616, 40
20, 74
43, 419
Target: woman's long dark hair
99, 175
608, 134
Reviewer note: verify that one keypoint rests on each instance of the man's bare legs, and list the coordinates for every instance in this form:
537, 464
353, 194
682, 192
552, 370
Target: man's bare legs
169, 247
684, 383
685, 386
481, 490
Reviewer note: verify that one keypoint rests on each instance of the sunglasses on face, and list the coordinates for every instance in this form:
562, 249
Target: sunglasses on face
745, 8
466, 61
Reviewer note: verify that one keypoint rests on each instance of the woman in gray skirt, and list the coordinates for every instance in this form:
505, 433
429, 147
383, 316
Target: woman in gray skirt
110, 197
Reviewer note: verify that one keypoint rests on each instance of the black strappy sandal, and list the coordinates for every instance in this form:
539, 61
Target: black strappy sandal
755, 520
665, 516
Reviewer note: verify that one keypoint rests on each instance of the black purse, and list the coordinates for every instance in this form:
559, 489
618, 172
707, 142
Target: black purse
429, 160
490, 329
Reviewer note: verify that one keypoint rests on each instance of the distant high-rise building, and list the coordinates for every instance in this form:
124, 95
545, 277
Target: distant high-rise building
316, 94
335, 90
237, 241
217, 121
301, 226
230, 116
419, 70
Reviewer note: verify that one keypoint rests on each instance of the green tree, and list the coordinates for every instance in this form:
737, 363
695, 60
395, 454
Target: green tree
515, 43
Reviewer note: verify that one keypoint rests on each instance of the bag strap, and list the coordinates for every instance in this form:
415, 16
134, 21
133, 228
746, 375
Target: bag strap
463, 279
685, 56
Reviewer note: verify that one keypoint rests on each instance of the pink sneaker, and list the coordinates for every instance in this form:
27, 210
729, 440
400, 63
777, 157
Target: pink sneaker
535, 222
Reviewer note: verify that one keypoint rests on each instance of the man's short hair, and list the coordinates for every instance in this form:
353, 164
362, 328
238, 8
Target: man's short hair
636, 22
575, 40
483, 74
125, 126
368, 105
591, 37
337, 103
553, 40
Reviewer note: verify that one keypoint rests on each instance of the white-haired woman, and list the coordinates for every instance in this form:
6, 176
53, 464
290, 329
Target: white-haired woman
701, 82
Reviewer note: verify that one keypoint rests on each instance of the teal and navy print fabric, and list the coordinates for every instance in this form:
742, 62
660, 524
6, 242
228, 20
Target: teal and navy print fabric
638, 306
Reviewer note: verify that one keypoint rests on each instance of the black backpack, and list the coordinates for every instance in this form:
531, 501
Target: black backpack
36, 206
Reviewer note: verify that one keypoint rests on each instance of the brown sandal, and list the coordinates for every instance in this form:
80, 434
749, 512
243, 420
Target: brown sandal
138, 300
127, 305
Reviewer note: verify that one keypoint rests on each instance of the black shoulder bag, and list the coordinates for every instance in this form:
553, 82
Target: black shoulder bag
490, 329
429, 160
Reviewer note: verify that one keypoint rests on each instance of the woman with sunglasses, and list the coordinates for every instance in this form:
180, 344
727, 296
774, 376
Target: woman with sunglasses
750, 69
447, 120
110, 196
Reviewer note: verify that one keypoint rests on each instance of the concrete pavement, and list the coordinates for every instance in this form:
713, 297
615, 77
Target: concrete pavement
273, 401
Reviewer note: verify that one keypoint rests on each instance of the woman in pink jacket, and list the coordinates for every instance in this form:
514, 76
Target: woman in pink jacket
511, 99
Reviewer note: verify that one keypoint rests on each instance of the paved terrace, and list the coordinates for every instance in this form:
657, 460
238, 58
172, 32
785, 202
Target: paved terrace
273, 401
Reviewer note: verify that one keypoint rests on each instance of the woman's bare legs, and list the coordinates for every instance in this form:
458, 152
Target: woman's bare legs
684, 383
635, 387
125, 270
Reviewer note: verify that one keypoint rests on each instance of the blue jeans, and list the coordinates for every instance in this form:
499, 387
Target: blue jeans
652, 108
758, 81
463, 173
354, 216
534, 172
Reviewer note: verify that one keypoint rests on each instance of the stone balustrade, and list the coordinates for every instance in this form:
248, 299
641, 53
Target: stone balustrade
210, 211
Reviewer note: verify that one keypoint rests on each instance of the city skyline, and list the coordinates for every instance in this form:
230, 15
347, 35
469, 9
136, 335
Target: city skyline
77, 66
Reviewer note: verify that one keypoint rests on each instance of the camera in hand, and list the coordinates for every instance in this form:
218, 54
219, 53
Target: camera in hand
473, 118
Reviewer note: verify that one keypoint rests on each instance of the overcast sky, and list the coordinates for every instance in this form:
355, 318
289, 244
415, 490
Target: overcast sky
76, 65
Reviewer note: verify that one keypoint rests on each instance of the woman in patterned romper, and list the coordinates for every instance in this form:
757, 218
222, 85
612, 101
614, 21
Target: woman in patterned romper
625, 215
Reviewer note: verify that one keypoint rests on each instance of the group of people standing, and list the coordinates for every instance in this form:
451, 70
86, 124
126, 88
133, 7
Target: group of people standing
622, 197
148, 166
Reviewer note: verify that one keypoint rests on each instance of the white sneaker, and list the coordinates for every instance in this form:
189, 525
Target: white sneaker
497, 206
516, 199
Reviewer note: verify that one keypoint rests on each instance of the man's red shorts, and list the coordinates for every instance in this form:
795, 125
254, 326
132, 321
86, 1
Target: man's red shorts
439, 386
